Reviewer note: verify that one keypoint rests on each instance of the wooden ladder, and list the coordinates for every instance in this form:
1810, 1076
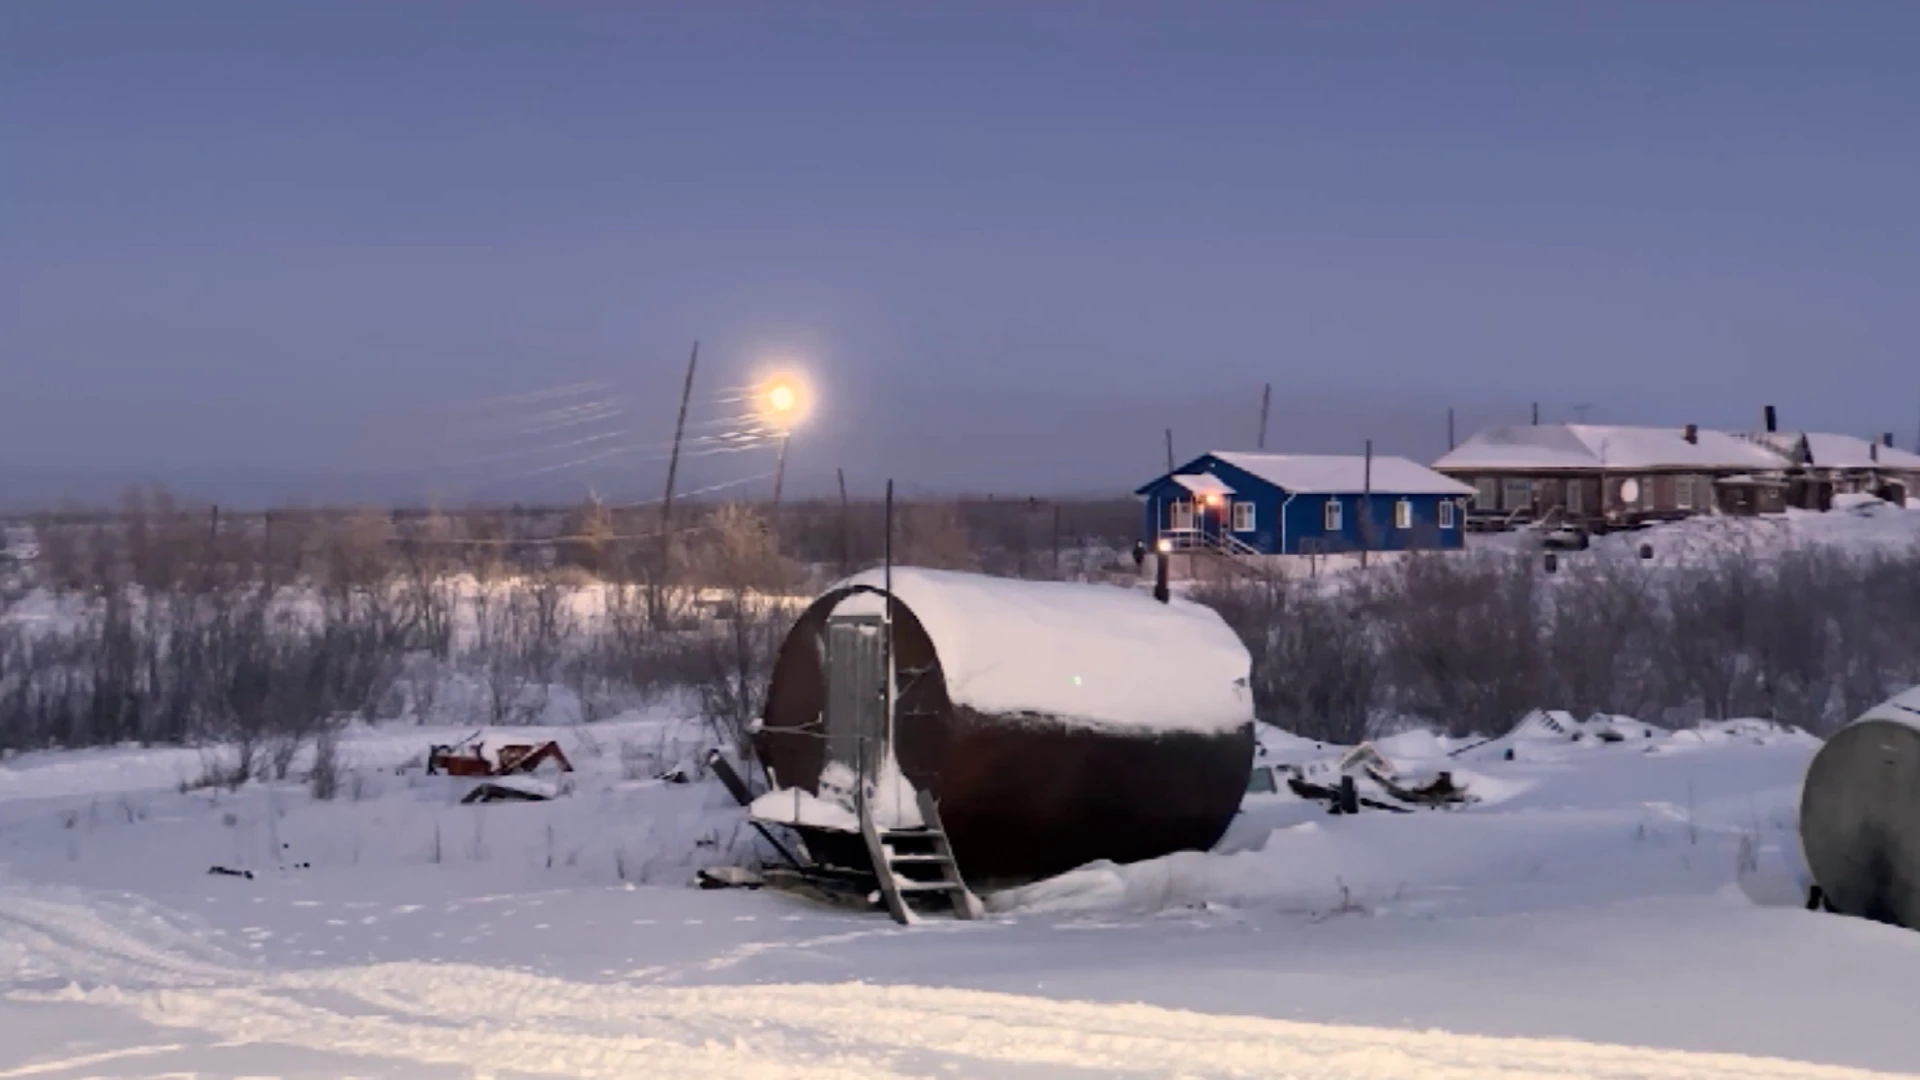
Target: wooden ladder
909, 862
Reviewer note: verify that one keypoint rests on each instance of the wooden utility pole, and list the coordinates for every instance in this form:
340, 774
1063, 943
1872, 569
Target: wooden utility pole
780, 468
1056, 541
1169, 449
1450, 442
657, 611
846, 526
1366, 505
1536, 414
1266, 401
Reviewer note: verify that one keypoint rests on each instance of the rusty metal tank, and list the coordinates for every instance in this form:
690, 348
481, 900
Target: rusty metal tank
1056, 724
1860, 815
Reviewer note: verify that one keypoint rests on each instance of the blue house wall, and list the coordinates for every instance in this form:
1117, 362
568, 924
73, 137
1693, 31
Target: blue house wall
1286, 523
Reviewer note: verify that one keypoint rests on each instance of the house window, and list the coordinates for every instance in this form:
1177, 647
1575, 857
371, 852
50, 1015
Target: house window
1683, 492
1517, 493
1486, 493
1243, 517
1403, 514
1446, 513
1180, 514
1576, 496
1333, 518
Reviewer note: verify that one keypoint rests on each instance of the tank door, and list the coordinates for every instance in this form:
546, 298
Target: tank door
856, 720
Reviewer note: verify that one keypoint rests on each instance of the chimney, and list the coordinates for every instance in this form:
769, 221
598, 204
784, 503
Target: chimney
1773, 420
1873, 451
1692, 434
1886, 440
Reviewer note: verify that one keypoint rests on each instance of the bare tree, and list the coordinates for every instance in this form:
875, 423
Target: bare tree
733, 661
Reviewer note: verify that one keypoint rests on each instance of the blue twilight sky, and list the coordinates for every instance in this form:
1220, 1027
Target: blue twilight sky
262, 250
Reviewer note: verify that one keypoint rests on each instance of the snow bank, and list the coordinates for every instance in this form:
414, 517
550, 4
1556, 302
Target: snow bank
1095, 656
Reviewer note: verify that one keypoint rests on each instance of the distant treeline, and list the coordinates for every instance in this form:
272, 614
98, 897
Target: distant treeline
1023, 537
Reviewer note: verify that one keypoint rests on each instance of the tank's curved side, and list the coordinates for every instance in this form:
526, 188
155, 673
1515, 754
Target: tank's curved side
1022, 797
1860, 821
1029, 797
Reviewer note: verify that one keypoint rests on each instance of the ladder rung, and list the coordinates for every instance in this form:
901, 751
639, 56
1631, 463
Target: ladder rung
921, 859
929, 886
912, 834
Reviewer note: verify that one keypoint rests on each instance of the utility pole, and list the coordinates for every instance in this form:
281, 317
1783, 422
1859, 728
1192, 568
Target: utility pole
656, 610
846, 526
1450, 443
1169, 449
1366, 505
1056, 541
780, 468
1536, 414
1266, 400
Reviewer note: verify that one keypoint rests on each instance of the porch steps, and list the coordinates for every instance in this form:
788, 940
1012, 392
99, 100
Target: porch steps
910, 862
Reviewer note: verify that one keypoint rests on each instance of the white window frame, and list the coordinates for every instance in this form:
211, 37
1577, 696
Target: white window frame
1446, 513
1333, 515
1180, 514
1243, 517
1683, 493
1403, 514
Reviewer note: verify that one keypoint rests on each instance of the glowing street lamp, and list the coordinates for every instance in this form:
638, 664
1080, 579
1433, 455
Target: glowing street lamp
783, 404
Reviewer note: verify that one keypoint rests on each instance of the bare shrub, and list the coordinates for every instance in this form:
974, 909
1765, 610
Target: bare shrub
731, 659
1315, 672
933, 535
1461, 639
1602, 629
323, 780
521, 629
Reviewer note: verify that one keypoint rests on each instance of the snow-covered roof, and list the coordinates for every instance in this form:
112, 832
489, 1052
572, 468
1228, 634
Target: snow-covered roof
1309, 474
1203, 484
1830, 451
1098, 656
1596, 446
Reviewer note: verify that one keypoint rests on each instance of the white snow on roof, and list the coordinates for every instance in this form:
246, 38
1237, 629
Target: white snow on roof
1595, 446
1344, 473
1098, 656
1203, 484
1847, 452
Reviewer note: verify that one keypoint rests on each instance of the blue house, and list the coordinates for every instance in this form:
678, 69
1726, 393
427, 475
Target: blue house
1303, 504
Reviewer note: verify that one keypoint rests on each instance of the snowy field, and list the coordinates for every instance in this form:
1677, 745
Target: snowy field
1625, 909
1858, 524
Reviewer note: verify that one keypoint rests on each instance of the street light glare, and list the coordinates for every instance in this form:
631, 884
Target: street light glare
784, 399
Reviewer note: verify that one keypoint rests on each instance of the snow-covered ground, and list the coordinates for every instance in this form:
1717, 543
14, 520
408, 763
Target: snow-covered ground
1622, 909
1858, 524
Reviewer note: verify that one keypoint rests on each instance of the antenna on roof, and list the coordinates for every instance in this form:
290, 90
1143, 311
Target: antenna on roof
1266, 400
1580, 413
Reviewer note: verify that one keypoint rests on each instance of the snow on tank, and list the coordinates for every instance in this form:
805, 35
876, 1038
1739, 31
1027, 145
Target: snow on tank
1860, 814
1055, 723
1086, 655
